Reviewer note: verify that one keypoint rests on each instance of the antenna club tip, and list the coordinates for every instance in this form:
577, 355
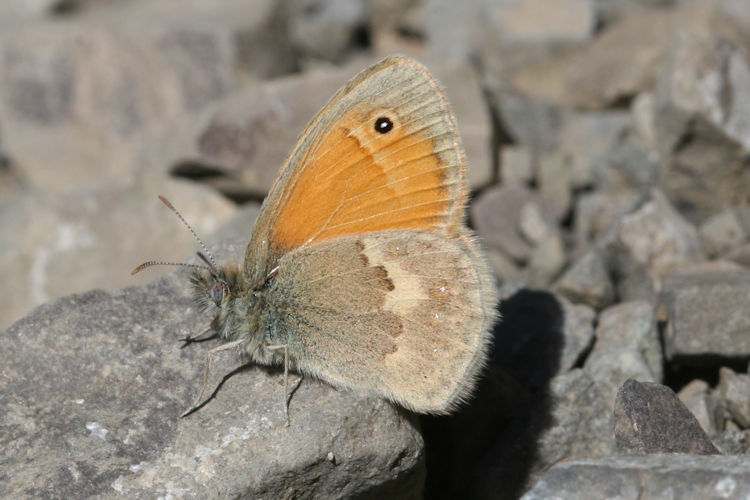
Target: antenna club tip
138, 269
166, 202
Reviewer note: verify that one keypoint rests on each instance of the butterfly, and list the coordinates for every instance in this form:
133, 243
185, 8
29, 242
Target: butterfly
360, 269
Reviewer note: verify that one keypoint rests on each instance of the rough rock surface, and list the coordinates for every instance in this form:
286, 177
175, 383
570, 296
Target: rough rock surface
650, 418
647, 476
627, 346
701, 302
93, 386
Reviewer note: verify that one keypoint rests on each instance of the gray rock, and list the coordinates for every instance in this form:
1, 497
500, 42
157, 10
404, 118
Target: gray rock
627, 346
627, 166
587, 281
578, 333
645, 37
88, 94
709, 76
451, 29
740, 255
529, 122
742, 212
15, 11
702, 100
581, 422
555, 182
325, 29
531, 21
59, 244
707, 316
649, 243
708, 267
643, 112
509, 288
94, 384
708, 174
650, 418
722, 232
734, 391
516, 165
546, 260
610, 12
11, 182
733, 442
534, 241
535, 70
530, 39
598, 211
636, 252
702, 404
586, 142
506, 33
496, 215
504, 267
532, 224
659, 477
397, 16
595, 80
735, 9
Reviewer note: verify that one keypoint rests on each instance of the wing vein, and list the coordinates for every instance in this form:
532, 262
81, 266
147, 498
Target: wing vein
390, 212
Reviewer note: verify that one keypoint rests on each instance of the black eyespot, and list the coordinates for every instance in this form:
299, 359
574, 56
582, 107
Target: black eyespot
383, 125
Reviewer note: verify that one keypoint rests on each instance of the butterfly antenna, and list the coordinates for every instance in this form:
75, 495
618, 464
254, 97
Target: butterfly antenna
204, 259
160, 263
211, 262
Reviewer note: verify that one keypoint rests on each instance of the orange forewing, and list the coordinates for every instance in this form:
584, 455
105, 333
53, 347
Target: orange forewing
344, 177
360, 183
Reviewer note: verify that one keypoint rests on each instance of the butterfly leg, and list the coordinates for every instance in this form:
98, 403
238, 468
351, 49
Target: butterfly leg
286, 377
198, 338
209, 356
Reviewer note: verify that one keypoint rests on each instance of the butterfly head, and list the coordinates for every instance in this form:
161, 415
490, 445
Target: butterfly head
221, 294
214, 289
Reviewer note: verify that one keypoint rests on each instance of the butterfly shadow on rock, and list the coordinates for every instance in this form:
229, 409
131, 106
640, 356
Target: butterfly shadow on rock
488, 448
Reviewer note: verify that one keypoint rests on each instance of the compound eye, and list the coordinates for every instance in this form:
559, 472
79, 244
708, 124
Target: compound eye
216, 292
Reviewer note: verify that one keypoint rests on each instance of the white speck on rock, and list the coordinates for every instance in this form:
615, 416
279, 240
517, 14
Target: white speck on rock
131, 433
117, 485
97, 430
136, 467
725, 487
74, 471
235, 433
206, 451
